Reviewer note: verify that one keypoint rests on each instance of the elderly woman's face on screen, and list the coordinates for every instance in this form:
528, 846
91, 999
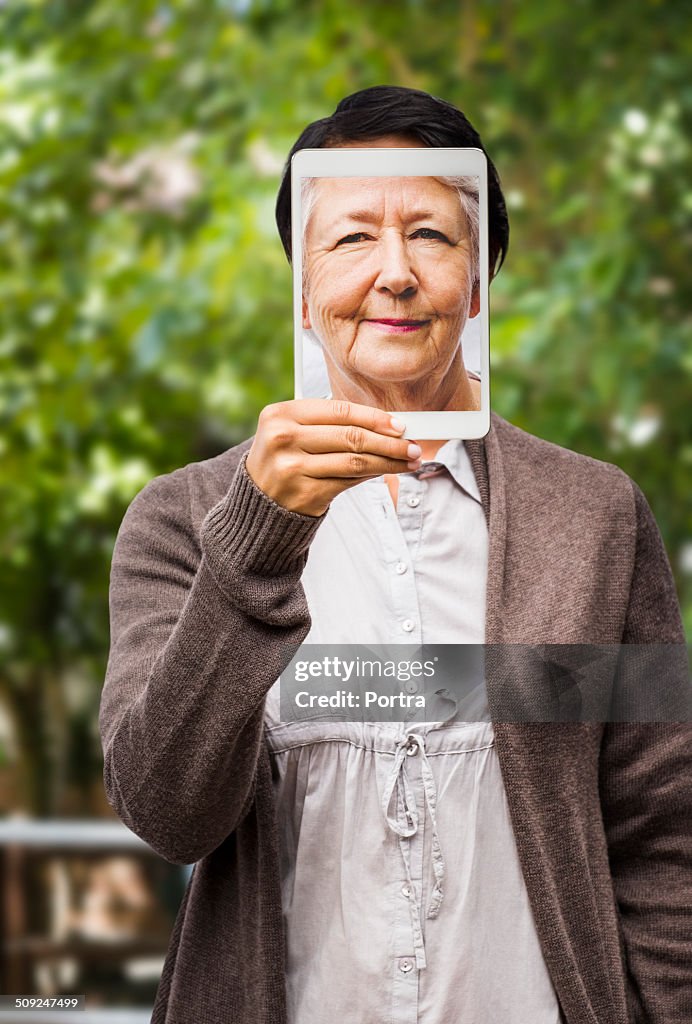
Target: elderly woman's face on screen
388, 277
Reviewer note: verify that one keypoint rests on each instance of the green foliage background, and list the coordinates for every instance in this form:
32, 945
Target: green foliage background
145, 302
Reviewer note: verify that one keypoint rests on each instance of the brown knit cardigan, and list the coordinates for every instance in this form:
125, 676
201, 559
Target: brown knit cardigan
206, 610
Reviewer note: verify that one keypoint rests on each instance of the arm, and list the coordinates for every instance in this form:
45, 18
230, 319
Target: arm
647, 809
201, 627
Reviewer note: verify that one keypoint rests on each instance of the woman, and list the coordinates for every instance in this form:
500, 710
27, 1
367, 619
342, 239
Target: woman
390, 277
220, 571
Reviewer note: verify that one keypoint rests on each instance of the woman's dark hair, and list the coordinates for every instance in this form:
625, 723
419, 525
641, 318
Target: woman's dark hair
394, 110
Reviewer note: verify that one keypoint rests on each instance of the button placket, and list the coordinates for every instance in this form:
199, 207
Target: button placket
411, 508
395, 551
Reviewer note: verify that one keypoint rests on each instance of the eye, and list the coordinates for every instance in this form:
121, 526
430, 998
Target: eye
430, 233
358, 236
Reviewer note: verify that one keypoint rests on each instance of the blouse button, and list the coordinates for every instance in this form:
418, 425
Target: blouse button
408, 625
413, 501
405, 964
401, 567
406, 891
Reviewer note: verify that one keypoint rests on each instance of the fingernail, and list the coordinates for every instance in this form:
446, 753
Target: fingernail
416, 464
397, 424
413, 451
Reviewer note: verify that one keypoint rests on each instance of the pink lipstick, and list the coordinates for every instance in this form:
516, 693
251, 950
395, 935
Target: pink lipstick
398, 326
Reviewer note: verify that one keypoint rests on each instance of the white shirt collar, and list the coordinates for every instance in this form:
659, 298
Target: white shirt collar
455, 458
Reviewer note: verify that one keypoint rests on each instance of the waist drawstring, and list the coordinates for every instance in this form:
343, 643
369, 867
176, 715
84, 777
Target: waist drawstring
403, 821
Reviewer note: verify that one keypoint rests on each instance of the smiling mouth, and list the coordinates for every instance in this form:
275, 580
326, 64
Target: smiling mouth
398, 323
398, 326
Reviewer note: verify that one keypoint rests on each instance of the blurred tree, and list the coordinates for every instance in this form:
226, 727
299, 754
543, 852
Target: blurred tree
145, 300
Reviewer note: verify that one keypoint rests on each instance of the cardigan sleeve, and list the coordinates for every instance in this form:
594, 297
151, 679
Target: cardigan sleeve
647, 809
202, 624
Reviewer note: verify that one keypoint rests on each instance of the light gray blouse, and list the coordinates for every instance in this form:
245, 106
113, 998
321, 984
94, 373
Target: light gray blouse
402, 893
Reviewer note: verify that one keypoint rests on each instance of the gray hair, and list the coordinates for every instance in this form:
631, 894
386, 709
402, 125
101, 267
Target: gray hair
466, 186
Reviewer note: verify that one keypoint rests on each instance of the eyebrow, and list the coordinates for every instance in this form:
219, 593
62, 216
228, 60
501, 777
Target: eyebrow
368, 217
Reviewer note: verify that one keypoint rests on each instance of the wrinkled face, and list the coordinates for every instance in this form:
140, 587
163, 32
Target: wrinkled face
388, 281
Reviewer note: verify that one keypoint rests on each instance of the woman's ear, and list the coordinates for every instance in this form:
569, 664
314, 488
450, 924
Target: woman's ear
306, 315
475, 307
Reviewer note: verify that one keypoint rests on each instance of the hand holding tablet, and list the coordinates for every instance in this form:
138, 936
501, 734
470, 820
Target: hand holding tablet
390, 265
307, 451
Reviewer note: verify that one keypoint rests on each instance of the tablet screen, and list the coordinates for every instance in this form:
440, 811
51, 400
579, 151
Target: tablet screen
392, 305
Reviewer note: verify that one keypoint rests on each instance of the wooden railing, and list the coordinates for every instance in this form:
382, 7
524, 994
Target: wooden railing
87, 909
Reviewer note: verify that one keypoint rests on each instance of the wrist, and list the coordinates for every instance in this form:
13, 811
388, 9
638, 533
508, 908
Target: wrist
250, 531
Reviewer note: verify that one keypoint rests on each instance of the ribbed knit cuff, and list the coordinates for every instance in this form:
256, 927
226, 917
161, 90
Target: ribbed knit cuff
248, 531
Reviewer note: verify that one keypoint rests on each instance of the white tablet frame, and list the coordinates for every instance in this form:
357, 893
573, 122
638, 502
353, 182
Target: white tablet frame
390, 163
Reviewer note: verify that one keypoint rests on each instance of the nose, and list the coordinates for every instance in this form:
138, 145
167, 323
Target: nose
396, 273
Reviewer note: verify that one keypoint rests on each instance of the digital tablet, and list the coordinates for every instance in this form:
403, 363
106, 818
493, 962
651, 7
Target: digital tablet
390, 276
